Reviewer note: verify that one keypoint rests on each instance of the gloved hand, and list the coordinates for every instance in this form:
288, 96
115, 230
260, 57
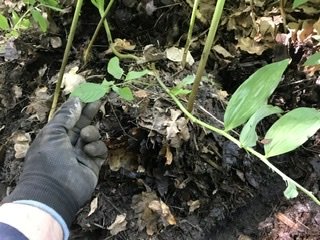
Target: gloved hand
62, 165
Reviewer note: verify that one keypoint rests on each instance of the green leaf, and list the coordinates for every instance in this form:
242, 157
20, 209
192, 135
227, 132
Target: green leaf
24, 24
124, 93
297, 3
248, 136
15, 18
314, 59
114, 68
43, 22
291, 191
51, 3
179, 91
4, 25
89, 92
291, 131
189, 79
107, 84
253, 93
136, 74
30, 2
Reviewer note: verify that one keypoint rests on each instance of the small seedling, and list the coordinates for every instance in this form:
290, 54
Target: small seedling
90, 92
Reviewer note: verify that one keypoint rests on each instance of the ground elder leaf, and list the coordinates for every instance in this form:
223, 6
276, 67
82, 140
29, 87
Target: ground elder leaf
38, 18
136, 74
313, 60
291, 191
248, 136
4, 25
89, 92
291, 131
253, 93
297, 3
114, 68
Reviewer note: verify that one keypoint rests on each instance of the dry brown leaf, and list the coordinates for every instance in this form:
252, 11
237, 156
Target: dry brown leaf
39, 106
169, 156
119, 224
219, 49
120, 157
141, 93
71, 80
93, 206
21, 143
193, 205
164, 212
249, 45
175, 54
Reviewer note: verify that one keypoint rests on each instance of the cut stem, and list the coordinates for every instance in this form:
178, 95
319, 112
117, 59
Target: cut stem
65, 57
205, 53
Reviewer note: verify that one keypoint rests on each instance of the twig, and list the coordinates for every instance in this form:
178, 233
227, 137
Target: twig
65, 58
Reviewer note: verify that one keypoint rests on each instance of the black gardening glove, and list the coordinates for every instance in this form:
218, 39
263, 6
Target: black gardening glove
62, 165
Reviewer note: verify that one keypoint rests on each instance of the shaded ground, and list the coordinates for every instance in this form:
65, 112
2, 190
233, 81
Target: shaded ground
213, 189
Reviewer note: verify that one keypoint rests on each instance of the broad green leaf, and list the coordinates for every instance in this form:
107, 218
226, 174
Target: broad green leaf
179, 91
253, 93
24, 24
313, 60
37, 16
248, 136
51, 3
124, 93
136, 74
107, 84
89, 92
4, 25
114, 68
15, 18
291, 191
291, 131
297, 3
31, 2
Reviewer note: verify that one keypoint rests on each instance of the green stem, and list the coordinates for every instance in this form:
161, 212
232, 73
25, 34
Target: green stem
205, 53
110, 41
189, 37
65, 57
236, 141
87, 52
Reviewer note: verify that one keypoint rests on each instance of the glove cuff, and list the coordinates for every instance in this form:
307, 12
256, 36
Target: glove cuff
50, 211
48, 191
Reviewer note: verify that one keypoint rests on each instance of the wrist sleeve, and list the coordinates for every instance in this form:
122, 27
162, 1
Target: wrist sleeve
50, 211
8, 232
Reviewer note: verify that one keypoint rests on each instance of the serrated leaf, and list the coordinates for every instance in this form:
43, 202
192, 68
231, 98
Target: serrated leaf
291, 131
253, 93
124, 92
89, 92
114, 68
136, 74
291, 191
4, 25
297, 3
38, 18
314, 59
248, 136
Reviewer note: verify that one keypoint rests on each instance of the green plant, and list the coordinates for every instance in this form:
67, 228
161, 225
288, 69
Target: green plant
34, 14
297, 3
180, 89
286, 134
90, 92
206, 51
314, 59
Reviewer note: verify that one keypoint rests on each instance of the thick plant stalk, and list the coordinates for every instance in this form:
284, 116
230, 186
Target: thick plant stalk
65, 57
189, 37
205, 53
237, 142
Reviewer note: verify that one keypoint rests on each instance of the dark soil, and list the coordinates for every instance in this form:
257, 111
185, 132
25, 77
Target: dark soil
239, 197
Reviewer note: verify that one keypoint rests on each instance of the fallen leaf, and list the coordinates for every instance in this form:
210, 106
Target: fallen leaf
249, 45
21, 143
193, 205
141, 93
175, 54
93, 206
119, 224
169, 156
39, 106
71, 80
17, 91
164, 212
221, 50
